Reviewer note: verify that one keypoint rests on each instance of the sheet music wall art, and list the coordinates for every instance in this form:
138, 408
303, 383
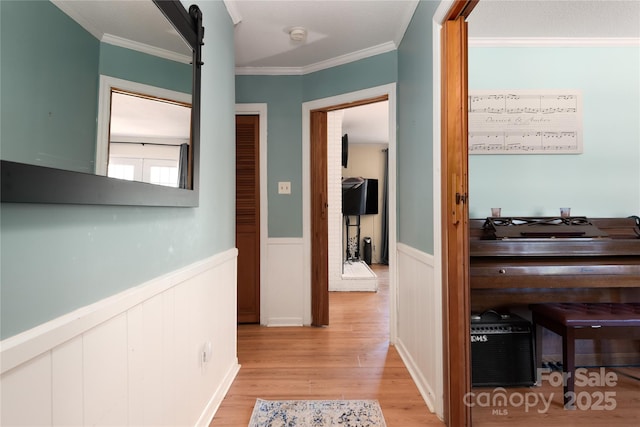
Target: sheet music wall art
525, 122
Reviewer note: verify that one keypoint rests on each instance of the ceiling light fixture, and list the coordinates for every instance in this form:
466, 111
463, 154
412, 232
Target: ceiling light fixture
298, 34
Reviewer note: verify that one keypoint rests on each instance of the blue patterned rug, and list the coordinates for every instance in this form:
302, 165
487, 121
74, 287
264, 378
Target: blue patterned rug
316, 413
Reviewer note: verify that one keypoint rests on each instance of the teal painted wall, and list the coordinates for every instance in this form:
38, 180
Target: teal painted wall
284, 96
415, 131
603, 181
369, 72
49, 86
57, 258
139, 67
284, 153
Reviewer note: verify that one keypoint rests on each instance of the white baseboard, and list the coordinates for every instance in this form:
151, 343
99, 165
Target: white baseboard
423, 386
217, 398
359, 285
284, 321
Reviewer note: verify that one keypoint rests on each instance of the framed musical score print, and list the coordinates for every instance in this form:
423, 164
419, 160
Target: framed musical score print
525, 122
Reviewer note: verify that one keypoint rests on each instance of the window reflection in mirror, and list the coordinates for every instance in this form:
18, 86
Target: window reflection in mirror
149, 139
49, 118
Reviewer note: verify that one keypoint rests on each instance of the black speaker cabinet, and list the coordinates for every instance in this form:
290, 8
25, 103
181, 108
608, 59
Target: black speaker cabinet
501, 350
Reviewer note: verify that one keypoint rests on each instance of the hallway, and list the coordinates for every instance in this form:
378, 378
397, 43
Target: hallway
350, 359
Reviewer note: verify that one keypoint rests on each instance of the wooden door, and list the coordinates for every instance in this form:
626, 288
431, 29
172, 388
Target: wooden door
319, 207
319, 221
248, 217
455, 223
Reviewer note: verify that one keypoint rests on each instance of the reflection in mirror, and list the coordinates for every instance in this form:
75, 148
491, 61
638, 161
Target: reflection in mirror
49, 118
50, 94
149, 139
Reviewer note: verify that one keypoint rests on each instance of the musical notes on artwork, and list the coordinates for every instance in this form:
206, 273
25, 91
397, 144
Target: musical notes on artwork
515, 141
524, 122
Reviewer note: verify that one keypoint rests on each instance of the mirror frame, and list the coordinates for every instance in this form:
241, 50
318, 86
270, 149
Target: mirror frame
25, 183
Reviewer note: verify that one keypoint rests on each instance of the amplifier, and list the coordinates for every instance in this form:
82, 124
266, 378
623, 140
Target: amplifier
501, 350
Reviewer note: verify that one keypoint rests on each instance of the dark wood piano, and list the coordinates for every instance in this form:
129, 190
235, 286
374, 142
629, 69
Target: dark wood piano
520, 261
515, 262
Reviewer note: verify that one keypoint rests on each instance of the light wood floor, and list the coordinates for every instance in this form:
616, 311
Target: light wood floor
352, 359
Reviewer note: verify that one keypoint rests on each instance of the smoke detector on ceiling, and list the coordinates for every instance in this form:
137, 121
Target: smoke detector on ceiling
298, 34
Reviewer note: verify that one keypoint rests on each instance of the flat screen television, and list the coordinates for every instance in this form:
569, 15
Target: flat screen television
345, 150
359, 196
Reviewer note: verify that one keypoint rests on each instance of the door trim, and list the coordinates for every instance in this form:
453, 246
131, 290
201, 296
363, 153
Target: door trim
390, 91
261, 111
448, 9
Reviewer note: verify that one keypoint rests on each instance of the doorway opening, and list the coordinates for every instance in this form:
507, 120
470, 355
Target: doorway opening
358, 141
316, 204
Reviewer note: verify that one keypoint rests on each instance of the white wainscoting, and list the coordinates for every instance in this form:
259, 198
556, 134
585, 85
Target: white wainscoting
135, 358
419, 339
284, 295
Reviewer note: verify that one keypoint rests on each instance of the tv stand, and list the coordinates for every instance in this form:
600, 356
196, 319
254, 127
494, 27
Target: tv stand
355, 254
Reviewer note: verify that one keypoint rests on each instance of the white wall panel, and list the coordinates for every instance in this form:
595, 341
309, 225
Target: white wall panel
145, 352
186, 352
419, 339
167, 409
140, 365
105, 373
26, 394
220, 319
67, 387
284, 291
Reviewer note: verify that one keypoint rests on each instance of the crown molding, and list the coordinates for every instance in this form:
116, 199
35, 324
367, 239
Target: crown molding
145, 48
119, 41
318, 66
351, 57
553, 41
269, 71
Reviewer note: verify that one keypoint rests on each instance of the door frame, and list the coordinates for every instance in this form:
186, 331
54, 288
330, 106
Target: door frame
261, 111
390, 91
453, 411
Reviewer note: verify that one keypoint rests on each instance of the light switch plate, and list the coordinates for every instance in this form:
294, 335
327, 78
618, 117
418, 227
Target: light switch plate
284, 187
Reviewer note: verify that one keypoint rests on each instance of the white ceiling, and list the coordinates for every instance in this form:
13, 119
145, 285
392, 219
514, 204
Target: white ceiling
137, 24
343, 30
556, 19
334, 28
340, 31
367, 124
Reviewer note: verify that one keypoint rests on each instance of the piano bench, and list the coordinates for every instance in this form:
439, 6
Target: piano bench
574, 321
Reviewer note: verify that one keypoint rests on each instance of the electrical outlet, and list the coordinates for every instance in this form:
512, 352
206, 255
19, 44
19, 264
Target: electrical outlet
284, 187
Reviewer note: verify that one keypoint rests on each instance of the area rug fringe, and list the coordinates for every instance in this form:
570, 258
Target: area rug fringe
317, 413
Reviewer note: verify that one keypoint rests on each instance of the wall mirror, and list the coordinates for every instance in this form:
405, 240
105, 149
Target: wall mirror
59, 79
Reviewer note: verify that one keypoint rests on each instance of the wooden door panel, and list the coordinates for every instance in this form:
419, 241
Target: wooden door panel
248, 298
248, 218
455, 217
319, 221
